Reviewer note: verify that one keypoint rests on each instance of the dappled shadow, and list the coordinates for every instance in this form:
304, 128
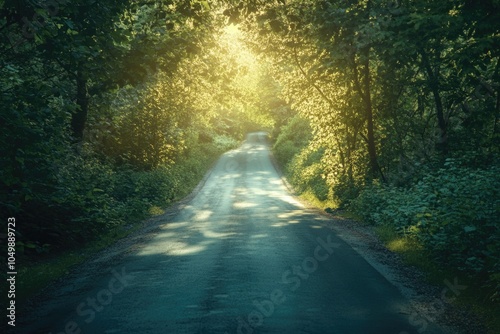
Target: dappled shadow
242, 242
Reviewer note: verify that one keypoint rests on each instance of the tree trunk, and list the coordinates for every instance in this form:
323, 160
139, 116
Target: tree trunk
496, 79
80, 116
372, 150
442, 144
363, 86
362, 83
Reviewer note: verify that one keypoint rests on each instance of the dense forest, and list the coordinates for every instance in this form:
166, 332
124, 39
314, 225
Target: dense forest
387, 109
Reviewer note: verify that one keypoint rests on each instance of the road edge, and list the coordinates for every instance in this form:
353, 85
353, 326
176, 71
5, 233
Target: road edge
423, 296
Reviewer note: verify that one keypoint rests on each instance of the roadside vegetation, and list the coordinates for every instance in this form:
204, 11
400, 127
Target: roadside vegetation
395, 122
387, 111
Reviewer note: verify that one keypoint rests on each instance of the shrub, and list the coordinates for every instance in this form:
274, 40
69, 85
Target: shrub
305, 172
224, 142
292, 138
453, 212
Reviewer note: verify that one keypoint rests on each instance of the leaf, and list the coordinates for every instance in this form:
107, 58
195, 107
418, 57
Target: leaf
205, 5
69, 23
12, 69
469, 229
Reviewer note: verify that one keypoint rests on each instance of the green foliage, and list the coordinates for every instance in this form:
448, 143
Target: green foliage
224, 142
292, 138
453, 212
90, 197
101, 107
345, 189
302, 163
305, 173
143, 126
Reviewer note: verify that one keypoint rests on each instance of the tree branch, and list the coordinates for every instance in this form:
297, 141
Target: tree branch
318, 89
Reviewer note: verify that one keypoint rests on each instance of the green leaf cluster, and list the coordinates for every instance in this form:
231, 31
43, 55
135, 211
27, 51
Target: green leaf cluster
452, 211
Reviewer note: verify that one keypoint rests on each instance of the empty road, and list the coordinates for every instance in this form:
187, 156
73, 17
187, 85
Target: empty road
241, 256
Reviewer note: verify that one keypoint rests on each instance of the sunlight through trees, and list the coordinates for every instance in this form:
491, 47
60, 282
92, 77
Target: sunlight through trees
108, 109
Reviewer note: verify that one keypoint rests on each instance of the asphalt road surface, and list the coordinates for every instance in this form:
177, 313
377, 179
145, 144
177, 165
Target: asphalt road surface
242, 256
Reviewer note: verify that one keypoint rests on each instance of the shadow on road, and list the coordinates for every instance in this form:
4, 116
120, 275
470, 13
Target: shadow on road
243, 256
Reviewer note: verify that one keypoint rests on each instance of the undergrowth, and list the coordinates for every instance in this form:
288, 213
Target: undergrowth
100, 206
446, 223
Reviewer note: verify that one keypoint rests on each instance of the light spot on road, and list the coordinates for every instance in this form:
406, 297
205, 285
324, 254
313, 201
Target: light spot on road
177, 225
202, 215
290, 214
211, 234
173, 248
188, 250
244, 205
230, 176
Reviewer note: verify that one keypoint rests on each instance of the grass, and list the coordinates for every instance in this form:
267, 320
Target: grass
310, 198
413, 253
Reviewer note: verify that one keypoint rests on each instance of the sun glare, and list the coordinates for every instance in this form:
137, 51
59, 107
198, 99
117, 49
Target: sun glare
232, 38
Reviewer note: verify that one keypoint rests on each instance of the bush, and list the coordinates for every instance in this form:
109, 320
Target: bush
224, 142
293, 137
345, 189
453, 212
285, 152
305, 173
88, 196
302, 164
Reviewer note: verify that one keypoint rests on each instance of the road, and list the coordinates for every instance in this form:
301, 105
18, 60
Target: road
242, 256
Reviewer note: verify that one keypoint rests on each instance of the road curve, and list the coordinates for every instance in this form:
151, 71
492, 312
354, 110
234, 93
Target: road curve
242, 256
